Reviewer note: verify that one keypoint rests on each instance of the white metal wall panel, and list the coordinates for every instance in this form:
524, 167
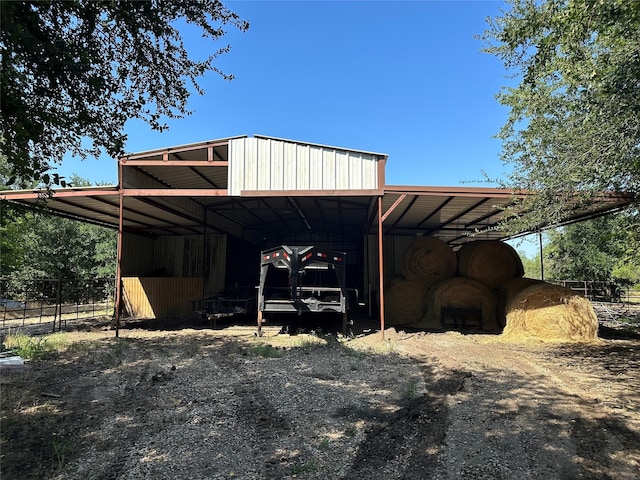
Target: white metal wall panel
302, 167
342, 170
265, 166
277, 173
369, 172
289, 166
355, 172
251, 166
315, 168
328, 170
236, 168
272, 164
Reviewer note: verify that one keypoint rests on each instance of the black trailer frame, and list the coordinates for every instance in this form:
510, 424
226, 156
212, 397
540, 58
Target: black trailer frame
297, 298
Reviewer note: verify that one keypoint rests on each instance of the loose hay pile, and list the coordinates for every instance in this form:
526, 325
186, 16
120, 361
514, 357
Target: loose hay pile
511, 289
551, 313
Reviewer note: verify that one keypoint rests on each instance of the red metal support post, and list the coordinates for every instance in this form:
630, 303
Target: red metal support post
380, 268
118, 305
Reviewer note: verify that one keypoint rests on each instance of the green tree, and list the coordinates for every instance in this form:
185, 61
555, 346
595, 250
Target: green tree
573, 129
78, 70
591, 250
11, 224
582, 251
36, 244
531, 265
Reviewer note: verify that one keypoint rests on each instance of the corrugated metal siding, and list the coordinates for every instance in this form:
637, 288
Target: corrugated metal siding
372, 273
268, 164
178, 256
215, 264
394, 248
137, 255
161, 297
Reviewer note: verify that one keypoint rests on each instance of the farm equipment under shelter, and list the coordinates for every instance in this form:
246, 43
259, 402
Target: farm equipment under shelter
233, 301
302, 279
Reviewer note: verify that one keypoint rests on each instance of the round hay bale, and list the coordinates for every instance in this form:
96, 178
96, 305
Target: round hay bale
404, 302
460, 302
509, 290
428, 260
393, 279
550, 312
489, 261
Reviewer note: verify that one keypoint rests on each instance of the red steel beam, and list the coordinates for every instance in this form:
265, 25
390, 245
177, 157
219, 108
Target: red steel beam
393, 207
312, 193
174, 163
35, 194
186, 148
175, 192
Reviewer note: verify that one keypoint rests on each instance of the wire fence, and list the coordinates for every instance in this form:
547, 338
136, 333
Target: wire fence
47, 304
609, 292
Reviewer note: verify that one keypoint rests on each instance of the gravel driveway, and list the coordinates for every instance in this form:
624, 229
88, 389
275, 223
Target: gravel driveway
222, 404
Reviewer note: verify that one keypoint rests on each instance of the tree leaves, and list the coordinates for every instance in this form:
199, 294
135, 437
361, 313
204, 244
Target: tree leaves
573, 129
80, 69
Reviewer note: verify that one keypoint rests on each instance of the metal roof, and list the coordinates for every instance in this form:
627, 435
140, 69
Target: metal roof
183, 190
454, 215
457, 215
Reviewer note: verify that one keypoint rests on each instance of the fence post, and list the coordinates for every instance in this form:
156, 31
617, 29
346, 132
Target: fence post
58, 306
26, 301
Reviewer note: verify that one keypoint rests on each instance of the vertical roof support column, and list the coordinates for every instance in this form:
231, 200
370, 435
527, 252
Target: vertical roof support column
118, 305
541, 255
381, 164
380, 268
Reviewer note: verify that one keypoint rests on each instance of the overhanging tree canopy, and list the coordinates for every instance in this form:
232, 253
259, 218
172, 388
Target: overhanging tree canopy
573, 129
80, 69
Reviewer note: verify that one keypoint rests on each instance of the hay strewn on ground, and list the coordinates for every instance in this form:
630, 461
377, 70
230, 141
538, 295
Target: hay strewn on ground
489, 261
428, 260
551, 313
460, 293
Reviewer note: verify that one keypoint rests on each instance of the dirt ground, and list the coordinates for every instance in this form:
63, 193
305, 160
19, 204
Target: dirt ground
190, 401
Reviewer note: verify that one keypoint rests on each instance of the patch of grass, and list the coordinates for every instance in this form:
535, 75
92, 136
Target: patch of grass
304, 341
60, 449
31, 348
308, 341
267, 351
43, 446
354, 353
630, 320
309, 466
350, 431
81, 347
410, 389
40, 347
115, 353
191, 349
324, 444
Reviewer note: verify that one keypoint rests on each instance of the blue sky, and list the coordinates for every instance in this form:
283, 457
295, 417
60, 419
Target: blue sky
403, 78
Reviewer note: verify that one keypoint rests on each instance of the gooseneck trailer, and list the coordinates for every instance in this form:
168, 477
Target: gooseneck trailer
302, 279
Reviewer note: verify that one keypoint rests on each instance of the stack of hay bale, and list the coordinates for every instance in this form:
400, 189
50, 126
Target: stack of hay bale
481, 287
